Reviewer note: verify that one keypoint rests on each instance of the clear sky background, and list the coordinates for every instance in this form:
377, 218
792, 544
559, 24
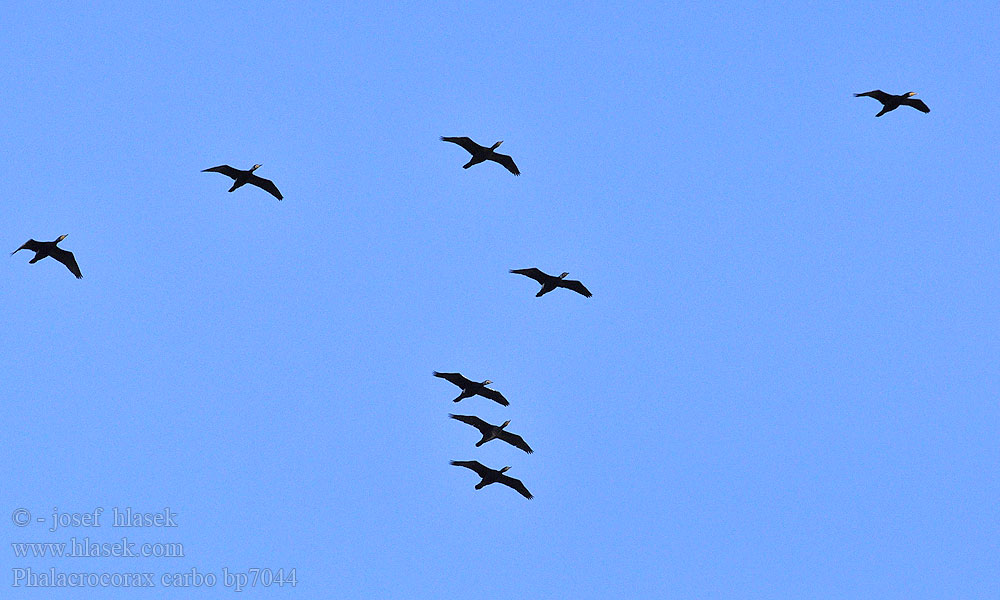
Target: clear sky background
785, 386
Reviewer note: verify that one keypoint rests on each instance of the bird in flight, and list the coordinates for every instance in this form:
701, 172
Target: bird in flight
493, 432
892, 102
244, 177
473, 388
489, 476
550, 282
43, 249
482, 153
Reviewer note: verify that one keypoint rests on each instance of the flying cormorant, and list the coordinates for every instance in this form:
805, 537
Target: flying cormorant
493, 432
550, 282
892, 102
43, 249
472, 388
481, 153
491, 476
244, 177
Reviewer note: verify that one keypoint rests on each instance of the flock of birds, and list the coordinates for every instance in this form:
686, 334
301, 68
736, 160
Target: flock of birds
479, 154
490, 432
472, 388
548, 282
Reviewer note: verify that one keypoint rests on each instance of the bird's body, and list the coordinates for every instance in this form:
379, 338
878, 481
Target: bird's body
551, 282
241, 178
892, 101
43, 249
493, 432
473, 388
490, 476
482, 153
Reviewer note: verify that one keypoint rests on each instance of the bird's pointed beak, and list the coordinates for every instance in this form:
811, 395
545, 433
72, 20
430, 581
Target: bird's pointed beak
62, 237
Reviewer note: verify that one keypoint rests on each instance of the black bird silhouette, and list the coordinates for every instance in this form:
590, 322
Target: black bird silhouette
482, 153
244, 177
472, 388
550, 282
493, 432
43, 249
490, 476
892, 102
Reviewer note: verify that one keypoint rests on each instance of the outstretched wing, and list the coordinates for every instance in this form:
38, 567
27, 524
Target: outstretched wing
917, 103
225, 170
475, 465
494, 396
66, 257
576, 286
533, 273
514, 440
266, 185
877, 94
32, 245
455, 378
466, 143
476, 422
506, 161
515, 484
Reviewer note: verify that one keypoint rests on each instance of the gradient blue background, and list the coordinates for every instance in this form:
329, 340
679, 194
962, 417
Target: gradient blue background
785, 385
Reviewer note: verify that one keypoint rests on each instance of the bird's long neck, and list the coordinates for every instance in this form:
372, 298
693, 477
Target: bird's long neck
505, 423
496, 145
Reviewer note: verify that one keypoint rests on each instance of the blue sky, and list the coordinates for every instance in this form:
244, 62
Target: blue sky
785, 384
